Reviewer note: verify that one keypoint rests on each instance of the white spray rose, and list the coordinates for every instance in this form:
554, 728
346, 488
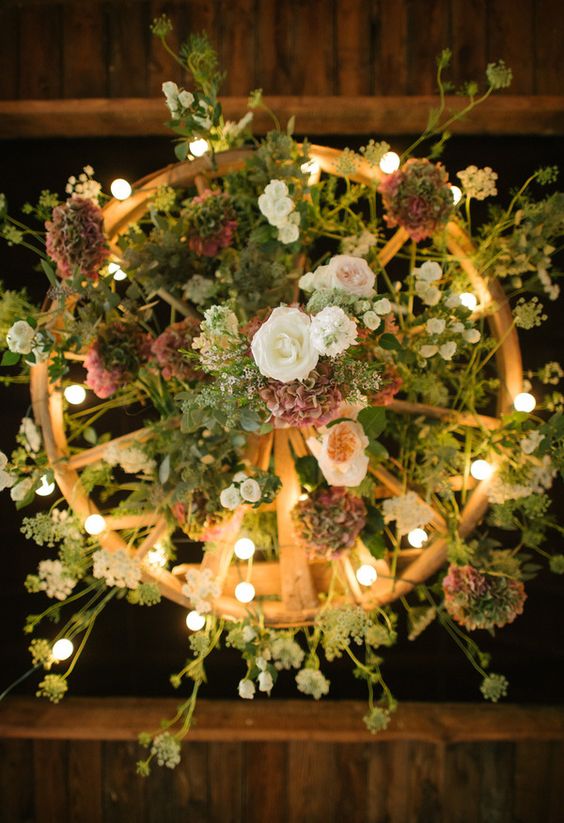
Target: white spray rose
340, 453
250, 490
282, 347
332, 331
371, 320
344, 272
471, 335
20, 337
275, 203
435, 325
382, 306
230, 497
428, 351
447, 350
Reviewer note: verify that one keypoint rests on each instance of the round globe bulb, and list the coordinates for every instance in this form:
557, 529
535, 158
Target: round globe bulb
524, 402
469, 300
94, 524
195, 621
456, 194
390, 162
157, 556
481, 469
244, 548
417, 537
120, 188
366, 574
75, 394
46, 488
244, 592
199, 147
63, 649
310, 167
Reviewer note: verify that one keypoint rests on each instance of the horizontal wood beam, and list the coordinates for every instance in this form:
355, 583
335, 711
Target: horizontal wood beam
119, 718
375, 116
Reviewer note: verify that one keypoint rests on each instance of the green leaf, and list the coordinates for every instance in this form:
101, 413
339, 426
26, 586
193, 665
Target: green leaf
10, 358
373, 421
375, 544
90, 435
389, 342
291, 124
164, 470
250, 421
308, 472
376, 449
32, 322
181, 150
50, 272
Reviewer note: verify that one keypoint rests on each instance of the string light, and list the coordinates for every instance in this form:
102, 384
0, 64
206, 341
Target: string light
244, 592
417, 537
117, 271
524, 402
456, 194
481, 469
199, 147
75, 394
94, 524
120, 188
63, 649
195, 621
469, 300
312, 168
390, 162
366, 574
46, 488
157, 556
244, 548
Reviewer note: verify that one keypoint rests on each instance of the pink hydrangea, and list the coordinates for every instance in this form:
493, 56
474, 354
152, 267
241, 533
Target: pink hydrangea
313, 401
211, 222
418, 198
329, 521
391, 384
166, 349
75, 238
478, 600
115, 357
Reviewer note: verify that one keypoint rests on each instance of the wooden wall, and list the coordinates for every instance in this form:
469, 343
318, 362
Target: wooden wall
322, 49
283, 762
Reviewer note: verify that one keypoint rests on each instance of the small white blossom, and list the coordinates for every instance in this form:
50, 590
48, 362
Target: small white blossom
531, 442
289, 231
265, 682
31, 435
428, 272
452, 301
332, 331
478, 183
177, 100
246, 689
286, 653
435, 325
55, 579
20, 337
382, 306
358, 245
131, 458
250, 490
407, 510
447, 350
430, 295
371, 320
457, 327
313, 682
21, 490
249, 634
117, 568
471, 335
166, 749
230, 498
200, 588
428, 351
277, 206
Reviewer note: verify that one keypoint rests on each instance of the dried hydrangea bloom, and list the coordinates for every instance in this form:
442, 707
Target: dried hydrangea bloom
482, 601
212, 222
417, 197
313, 401
329, 521
75, 238
115, 357
167, 350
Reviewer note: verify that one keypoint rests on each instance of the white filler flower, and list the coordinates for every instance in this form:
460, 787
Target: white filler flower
332, 331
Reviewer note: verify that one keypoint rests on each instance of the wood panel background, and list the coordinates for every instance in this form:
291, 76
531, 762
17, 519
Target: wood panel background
321, 50
283, 762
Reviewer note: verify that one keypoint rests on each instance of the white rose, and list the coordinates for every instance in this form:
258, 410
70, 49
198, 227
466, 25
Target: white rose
435, 325
289, 231
382, 306
246, 689
447, 350
348, 273
275, 203
471, 335
20, 337
332, 331
230, 498
371, 320
21, 489
428, 351
282, 347
428, 272
340, 453
250, 490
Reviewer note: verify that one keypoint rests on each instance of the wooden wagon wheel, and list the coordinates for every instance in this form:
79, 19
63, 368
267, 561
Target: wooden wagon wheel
291, 587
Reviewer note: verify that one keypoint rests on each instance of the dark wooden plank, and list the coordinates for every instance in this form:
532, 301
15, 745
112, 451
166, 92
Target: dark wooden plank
468, 40
275, 31
461, 787
353, 26
352, 771
548, 37
312, 782
16, 781
40, 52
433, 18
85, 781
510, 37
239, 46
539, 788
389, 48
265, 782
9, 49
225, 769
192, 785
84, 51
50, 762
128, 38
313, 58
497, 782
123, 791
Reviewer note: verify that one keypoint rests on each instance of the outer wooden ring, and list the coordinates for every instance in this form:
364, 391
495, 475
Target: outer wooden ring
47, 400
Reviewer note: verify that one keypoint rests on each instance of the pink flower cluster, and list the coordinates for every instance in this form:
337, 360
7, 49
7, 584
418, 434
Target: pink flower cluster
115, 357
313, 401
329, 521
166, 349
211, 223
482, 601
75, 238
391, 385
418, 198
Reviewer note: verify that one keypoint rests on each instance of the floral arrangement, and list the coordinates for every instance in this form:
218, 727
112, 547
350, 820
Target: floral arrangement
314, 389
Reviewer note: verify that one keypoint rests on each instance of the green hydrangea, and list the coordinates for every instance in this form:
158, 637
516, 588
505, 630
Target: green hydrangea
146, 594
557, 563
376, 720
499, 75
41, 653
341, 625
53, 687
494, 686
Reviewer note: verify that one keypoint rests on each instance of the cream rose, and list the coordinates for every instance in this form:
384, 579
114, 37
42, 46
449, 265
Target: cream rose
345, 272
282, 347
340, 453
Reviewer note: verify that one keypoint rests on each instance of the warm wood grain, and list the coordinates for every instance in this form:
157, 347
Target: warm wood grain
40, 48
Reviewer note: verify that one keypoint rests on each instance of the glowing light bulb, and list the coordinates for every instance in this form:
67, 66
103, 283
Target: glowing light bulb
244, 548
366, 574
456, 194
94, 524
199, 147
390, 162
75, 394
46, 488
524, 402
157, 556
195, 621
417, 537
120, 188
244, 592
469, 300
481, 469
117, 271
303, 496
63, 649
310, 167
